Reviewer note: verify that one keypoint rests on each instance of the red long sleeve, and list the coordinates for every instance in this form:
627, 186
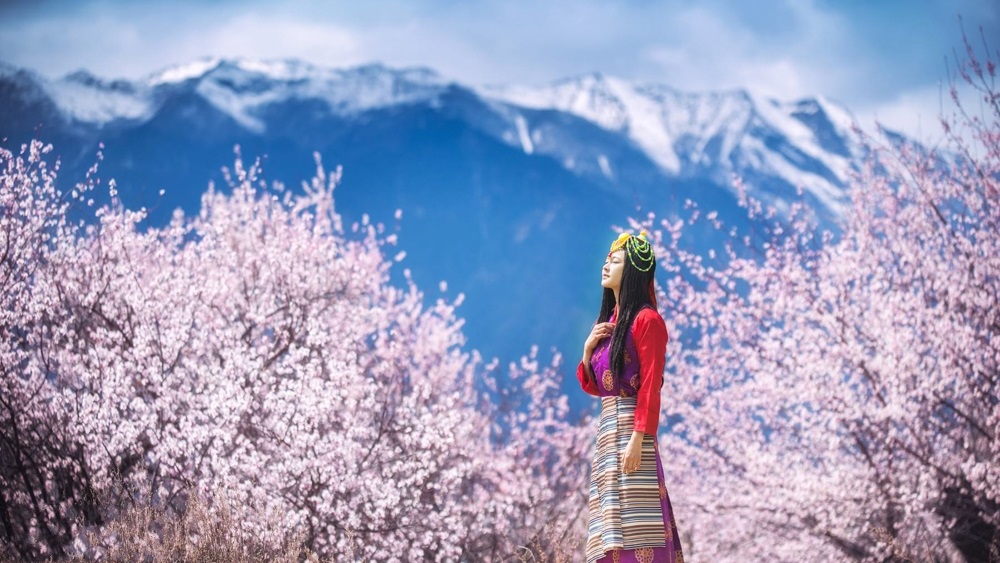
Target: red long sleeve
650, 335
587, 383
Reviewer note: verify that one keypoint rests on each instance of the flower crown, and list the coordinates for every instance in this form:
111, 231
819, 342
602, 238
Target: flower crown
638, 249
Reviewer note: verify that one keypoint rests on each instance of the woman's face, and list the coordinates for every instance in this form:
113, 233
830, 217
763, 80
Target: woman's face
611, 274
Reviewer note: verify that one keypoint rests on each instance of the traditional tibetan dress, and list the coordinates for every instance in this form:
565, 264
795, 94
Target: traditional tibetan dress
631, 519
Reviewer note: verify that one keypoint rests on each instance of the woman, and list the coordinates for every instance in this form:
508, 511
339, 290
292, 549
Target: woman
630, 515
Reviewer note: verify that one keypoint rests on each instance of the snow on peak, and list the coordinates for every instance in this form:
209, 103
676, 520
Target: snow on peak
523, 134
240, 87
608, 102
589, 96
836, 113
808, 143
91, 99
184, 72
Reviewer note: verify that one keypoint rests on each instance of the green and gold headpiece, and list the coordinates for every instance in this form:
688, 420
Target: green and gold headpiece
637, 248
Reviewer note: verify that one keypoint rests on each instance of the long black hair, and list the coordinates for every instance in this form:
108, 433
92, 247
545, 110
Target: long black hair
635, 294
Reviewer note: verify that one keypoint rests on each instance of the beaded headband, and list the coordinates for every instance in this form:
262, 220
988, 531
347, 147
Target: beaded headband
637, 248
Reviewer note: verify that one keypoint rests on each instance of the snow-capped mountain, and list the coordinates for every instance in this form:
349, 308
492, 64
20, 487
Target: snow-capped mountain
238, 88
807, 143
508, 192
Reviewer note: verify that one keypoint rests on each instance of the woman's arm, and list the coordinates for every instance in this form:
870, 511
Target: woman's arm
585, 374
650, 334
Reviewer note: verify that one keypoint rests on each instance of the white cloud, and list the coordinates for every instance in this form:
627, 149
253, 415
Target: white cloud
783, 49
119, 45
917, 112
709, 50
257, 35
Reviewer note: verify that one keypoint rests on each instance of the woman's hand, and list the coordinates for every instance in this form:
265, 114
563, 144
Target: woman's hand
598, 333
633, 453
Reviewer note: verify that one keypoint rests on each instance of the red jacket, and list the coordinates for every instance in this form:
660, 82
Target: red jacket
649, 333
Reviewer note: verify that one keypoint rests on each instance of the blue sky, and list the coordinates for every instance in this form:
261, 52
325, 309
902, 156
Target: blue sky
881, 59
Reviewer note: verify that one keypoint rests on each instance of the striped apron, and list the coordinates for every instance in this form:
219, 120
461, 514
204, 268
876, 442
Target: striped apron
625, 510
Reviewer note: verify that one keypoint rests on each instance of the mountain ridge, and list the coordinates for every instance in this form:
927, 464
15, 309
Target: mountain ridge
508, 193
685, 134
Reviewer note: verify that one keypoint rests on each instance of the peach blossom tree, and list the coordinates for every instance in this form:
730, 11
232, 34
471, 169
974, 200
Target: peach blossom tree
837, 396
258, 354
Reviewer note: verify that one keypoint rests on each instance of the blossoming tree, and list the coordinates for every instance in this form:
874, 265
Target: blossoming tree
257, 353
838, 396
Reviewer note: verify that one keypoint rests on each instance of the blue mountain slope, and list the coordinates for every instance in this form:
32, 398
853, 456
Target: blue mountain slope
511, 203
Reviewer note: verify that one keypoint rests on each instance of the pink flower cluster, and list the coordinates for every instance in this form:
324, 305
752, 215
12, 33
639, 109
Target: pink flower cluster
838, 395
258, 353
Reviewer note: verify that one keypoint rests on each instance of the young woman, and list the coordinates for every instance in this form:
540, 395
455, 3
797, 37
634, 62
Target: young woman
630, 515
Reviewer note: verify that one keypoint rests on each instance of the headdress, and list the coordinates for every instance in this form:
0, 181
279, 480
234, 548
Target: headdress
637, 248
640, 254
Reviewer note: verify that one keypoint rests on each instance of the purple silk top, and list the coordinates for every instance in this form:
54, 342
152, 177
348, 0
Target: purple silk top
607, 384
